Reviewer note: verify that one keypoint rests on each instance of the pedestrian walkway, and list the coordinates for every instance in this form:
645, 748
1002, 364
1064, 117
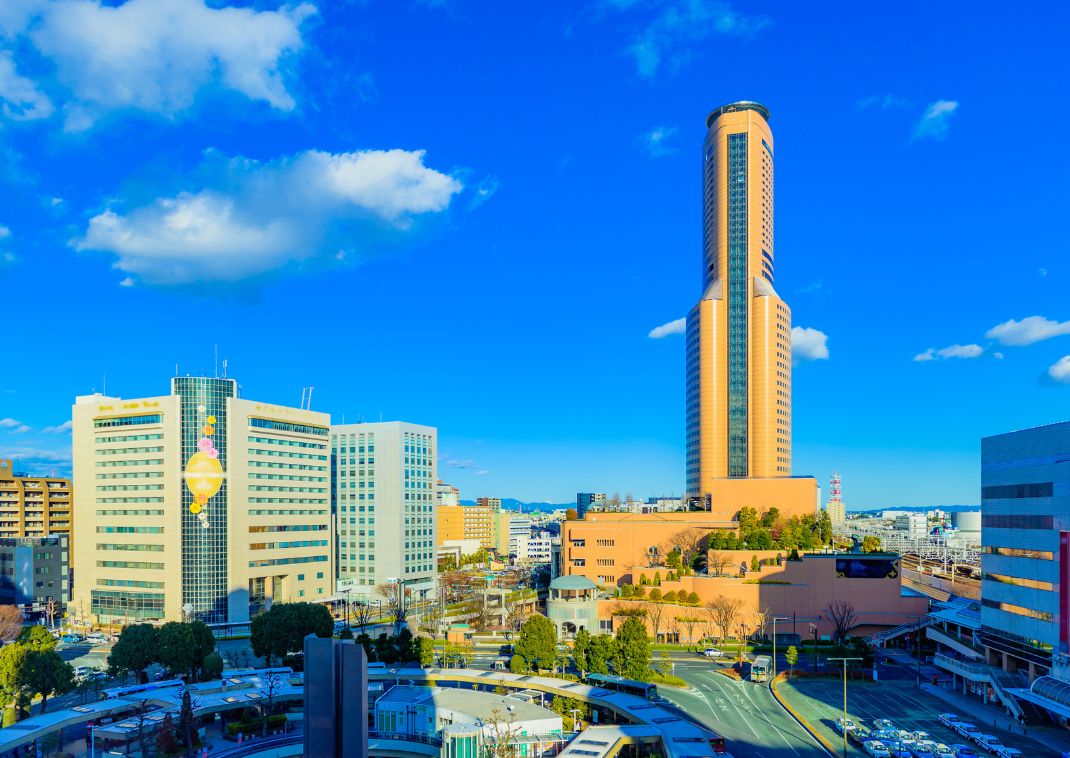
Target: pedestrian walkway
1052, 737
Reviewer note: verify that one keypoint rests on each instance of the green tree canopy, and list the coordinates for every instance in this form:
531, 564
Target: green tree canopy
47, 675
282, 629
632, 659
580, 650
212, 668
791, 655
134, 652
599, 654
175, 648
871, 544
14, 678
37, 638
538, 642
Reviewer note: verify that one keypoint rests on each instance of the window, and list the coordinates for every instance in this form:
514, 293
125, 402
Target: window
579, 543
1017, 581
285, 426
1016, 521
1016, 609
579, 561
1017, 491
605, 543
102, 423
1014, 552
738, 303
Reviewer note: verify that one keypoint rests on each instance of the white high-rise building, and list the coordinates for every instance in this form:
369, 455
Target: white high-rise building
519, 528
198, 504
384, 477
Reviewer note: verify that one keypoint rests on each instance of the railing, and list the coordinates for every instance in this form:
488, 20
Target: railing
959, 644
406, 737
895, 631
1000, 680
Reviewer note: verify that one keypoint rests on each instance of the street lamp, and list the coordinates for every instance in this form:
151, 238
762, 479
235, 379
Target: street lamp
775, 619
742, 637
845, 699
813, 634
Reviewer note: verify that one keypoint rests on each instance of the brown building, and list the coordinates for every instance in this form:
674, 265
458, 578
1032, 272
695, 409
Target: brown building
34, 506
494, 503
467, 522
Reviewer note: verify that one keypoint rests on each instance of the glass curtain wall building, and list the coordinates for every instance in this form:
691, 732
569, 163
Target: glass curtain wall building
738, 347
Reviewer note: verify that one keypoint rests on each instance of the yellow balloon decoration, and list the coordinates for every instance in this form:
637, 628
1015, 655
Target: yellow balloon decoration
210, 419
204, 477
195, 508
208, 430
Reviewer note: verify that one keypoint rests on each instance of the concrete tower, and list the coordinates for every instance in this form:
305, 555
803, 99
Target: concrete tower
739, 332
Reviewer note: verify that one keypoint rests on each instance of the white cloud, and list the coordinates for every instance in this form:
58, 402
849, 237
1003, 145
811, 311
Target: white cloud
13, 425
998, 356
1060, 370
481, 472
1042, 271
19, 96
677, 28
1027, 331
880, 102
156, 55
265, 216
808, 344
4, 232
655, 142
59, 429
484, 191
673, 327
951, 351
936, 121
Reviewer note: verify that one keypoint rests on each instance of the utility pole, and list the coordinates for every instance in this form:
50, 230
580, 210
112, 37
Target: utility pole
775, 619
845, 699
813, 634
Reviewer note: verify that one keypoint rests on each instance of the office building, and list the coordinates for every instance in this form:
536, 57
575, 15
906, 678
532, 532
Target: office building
913, 525
467, 522
446, 494
1025, 554
536, 548
34, 573
494, 503
199, 504
33, 506
586, 500
738, 344
335, 698
519, 528
384, 477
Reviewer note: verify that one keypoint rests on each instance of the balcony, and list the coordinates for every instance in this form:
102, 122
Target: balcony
975, 672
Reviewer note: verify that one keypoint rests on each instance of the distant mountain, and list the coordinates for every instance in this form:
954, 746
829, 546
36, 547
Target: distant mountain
921, 508
512, 504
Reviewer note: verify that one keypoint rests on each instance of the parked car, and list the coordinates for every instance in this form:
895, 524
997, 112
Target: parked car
712, 652
97, 638
926, 749
860, 735
843, 726
921, 736
988, 741
947, 719
876, 749
963, 751
72, 639
883, 724
943, 751
1008, 752
965, 729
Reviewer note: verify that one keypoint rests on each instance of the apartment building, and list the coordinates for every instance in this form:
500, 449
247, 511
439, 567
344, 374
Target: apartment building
384, 478
35, 575
199, 504
33, 506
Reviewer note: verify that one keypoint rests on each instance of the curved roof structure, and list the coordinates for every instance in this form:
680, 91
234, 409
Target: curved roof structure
572, 582
736, 107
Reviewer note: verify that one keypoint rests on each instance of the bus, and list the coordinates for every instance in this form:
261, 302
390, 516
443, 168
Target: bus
248, 673
759, 668
645, 690
133, 689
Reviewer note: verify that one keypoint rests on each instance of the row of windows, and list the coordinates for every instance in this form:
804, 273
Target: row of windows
1017, 521
129, 499
1017, 491
132, 475
288, 477
134, 462
286, 454
287, 545
289, 500
135, 548
150, 418
288, 528
1017, 609
127, 487
287, 512
1017, 581
130, 565
287, 561
130, 451
129, 438
129, 530
1014, 552
129, 512
286, 426
297, 466
131, 583
287, 443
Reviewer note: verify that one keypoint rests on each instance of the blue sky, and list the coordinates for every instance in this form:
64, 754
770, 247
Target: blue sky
473, 214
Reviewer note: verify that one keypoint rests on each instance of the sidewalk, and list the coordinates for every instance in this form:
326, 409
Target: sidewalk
1050, 736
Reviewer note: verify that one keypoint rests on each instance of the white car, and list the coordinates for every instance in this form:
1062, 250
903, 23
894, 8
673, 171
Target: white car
96, 638
988, 742
1008, 752
876, 749
926, 749
712, 652
883, 724
920, 736
947, 719
965, 729
943, 751
845, 726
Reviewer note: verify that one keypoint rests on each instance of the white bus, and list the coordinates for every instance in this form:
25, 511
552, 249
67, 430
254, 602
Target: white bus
759, 668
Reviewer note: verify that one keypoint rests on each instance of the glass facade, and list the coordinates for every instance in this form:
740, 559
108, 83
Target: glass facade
204, 550
737, 305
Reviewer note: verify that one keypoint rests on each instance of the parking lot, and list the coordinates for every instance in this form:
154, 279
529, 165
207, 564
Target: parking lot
820, 702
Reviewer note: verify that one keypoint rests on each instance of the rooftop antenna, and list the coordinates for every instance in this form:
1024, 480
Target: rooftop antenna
310, 398
303, 391
224, 368
105, 383
215, 357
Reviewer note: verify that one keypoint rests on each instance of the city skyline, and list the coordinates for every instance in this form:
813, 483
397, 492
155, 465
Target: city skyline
516, 274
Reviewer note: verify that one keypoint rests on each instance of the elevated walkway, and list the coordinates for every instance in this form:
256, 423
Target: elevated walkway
1006, 686
882, 637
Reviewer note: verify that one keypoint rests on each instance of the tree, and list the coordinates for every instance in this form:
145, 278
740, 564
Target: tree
538, 642
52, 609
657, 578
134, 652
504, 732
175, 648
689, 623
719, 562
655, 612
203, 644
362, 613
571, 514
693, 598
37, 638
754, 564
167, 736
566, 708
10, 623
424, 649
723, 611
515, 614
47, 674
396, 594
283, 628
600, 653
762, 614
655, 595
632, 659
186, 730
841, 614
345, 634
580, 649
270, 689
669, 597
688, 543
212, 668
672, 629
14, 679
791, 655
871, 544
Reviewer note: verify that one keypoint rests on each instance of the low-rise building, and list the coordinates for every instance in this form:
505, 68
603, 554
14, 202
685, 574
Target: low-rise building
35, 575
33, 506
536, 548
914, 525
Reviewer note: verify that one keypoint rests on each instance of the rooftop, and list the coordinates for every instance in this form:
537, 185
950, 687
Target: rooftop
572, 582
737, 107
481, 706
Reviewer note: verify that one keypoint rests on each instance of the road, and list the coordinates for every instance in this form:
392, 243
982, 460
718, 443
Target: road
744, 713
